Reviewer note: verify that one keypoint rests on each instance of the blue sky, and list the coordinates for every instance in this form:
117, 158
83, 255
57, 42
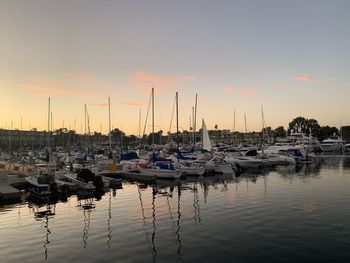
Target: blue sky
291, 57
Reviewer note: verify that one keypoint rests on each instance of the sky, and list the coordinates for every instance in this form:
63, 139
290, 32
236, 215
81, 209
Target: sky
291, 57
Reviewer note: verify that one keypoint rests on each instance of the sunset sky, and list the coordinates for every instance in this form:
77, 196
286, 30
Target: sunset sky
291, 57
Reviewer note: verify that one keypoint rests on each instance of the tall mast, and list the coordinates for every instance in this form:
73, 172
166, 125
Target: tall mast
195, 122
263, 129
262, 118
109, 124
153, 121
48, 123
234, 126
53, 141
85, 118
192, 125
177, 120
245, 127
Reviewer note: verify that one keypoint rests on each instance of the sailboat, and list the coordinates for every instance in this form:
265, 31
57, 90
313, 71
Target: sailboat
43, 184
187, 165
159, 167
216, 164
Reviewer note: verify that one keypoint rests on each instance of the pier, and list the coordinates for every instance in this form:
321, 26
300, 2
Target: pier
7, 191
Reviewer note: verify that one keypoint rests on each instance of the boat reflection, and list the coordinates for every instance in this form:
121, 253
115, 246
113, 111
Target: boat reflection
43, 213
87, 206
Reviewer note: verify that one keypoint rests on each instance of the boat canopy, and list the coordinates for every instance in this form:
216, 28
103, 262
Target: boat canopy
128, 156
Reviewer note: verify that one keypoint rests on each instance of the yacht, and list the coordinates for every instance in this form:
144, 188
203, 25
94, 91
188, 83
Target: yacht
333, 144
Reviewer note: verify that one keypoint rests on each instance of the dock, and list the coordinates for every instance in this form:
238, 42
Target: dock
8, 192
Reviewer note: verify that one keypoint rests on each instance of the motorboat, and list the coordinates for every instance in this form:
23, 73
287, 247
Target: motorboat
40, 184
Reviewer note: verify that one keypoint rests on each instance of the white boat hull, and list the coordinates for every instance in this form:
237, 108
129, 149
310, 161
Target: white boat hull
162, 173
81, 185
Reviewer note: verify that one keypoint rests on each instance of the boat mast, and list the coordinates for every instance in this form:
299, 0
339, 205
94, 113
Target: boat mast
153, 122
109, 124
192, 125
48, 124
234, 126
263, 129
177, 120
85, 121
195, 122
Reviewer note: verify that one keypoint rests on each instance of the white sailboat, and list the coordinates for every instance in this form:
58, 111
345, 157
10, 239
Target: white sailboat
206, 144
216, 164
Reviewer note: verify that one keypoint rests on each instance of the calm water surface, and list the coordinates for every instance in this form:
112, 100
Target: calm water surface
286, 215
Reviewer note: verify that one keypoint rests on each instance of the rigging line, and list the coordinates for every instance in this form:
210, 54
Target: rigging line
171, 120
149, 105
159, 113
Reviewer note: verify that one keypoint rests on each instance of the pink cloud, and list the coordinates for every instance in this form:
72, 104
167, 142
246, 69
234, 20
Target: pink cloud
303, 78
50, 91
86, 77
248, 91
135, 103
283, 85
103, 104
229, 90
49, 81
144, 81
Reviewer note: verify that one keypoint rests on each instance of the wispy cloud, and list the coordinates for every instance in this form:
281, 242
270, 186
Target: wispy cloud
49, 81
283, 85
135, 103
103, 104
85, 77
229, 90
247, 91
39, 90
303, 78
144, 81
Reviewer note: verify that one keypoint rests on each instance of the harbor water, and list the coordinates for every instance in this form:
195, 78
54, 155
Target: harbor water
288, 214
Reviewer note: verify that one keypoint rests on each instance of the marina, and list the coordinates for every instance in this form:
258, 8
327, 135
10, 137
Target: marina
184, 220
174, 131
